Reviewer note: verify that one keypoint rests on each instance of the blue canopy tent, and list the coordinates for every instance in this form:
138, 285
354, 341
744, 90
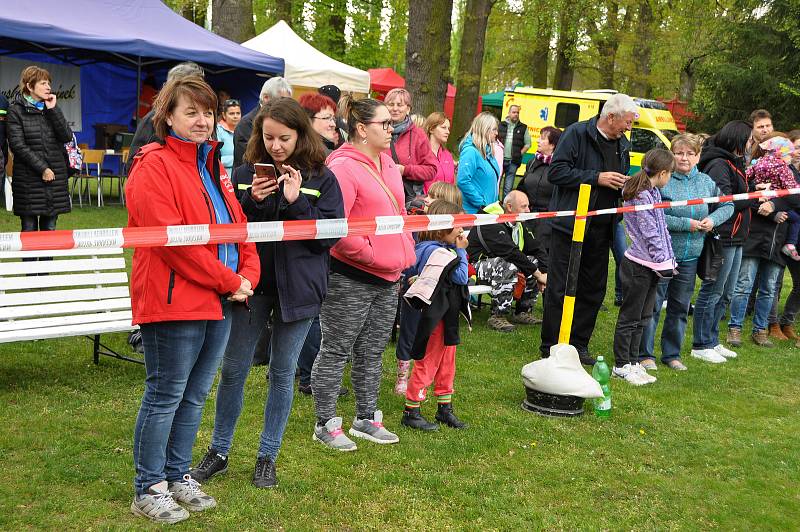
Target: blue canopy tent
118, 43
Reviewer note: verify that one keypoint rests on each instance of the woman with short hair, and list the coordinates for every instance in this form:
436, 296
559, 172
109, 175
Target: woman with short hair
409, 149
181, 296
478, 170
37, 132
322, 113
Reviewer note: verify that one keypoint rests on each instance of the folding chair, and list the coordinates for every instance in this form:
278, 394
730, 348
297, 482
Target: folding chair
82, 180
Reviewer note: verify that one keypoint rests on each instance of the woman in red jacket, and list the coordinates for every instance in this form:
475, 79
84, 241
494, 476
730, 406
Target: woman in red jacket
181, 296
409, 148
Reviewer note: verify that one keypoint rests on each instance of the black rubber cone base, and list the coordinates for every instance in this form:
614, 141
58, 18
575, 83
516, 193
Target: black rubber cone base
552, 405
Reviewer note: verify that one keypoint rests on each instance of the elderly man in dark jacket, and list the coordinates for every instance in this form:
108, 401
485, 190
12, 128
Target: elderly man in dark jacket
594, 152
499, 253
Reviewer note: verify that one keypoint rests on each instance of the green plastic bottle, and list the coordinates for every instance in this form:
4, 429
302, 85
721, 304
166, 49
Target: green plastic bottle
601, 373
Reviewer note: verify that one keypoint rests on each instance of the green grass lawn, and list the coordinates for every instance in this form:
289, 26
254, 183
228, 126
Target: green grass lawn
712, 448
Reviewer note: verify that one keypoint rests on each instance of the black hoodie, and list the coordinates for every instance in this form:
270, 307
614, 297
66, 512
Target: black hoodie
727, 171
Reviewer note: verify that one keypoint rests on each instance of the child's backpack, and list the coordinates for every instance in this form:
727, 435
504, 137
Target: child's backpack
74, 155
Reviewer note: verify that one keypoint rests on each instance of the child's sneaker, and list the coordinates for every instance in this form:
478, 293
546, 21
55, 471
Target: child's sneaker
790, 250
373, 429
628, 374
331, 435
188, 493
158, 505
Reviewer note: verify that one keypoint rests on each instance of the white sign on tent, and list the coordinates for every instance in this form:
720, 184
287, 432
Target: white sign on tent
65, 81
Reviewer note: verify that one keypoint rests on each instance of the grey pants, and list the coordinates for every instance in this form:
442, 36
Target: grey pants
356, 317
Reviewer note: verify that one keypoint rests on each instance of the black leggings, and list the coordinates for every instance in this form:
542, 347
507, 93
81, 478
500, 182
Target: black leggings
38, 223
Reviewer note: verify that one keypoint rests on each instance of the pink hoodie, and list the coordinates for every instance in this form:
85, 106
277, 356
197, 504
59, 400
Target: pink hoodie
384, 256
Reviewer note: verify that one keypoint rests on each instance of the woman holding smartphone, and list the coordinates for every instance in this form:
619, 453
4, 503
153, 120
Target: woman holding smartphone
289, 181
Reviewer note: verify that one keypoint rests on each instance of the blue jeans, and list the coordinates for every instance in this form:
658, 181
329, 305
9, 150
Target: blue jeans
510, 171
181, 359
713, 298
618, 246
309, 352
767, 274
678, 294
285, 344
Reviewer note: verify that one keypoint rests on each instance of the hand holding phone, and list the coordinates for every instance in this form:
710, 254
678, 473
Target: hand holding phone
265, 181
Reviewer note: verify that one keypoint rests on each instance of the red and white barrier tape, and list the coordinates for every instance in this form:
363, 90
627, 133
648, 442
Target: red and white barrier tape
187, 235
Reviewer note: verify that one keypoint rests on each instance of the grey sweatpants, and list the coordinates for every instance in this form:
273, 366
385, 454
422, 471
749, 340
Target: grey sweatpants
356, 317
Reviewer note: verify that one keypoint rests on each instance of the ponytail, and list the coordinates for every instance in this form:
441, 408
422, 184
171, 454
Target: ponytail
357, 111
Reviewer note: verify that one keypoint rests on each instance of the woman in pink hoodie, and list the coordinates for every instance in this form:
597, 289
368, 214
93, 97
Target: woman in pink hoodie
358, 313
409, 148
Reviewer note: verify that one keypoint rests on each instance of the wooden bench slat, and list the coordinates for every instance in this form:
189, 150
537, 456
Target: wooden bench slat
62, 296
60, 253
61, 266
67, 330
51, 281
79, 307
72, 319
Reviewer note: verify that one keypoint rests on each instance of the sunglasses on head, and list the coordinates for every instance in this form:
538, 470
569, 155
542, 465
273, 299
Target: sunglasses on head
231, 103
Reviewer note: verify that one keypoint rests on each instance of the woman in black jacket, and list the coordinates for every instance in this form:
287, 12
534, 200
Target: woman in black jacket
37, 132
536, 185
294, 277
722, 159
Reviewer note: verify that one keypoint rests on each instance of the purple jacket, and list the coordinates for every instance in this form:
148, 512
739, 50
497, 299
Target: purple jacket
651, 245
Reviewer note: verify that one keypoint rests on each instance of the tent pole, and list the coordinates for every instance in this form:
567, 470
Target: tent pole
138, 88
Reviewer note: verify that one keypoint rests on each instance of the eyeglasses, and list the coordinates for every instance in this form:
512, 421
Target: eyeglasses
330, 118
384, 123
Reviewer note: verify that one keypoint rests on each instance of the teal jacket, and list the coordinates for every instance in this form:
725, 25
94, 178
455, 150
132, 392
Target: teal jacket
477, 176
685, 244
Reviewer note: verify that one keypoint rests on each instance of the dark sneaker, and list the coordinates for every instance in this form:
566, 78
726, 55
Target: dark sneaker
412, 418
212, 464
373, 429
158, 505
500, 323
446, 415
331, 435
264, 474
587, 359
188, 493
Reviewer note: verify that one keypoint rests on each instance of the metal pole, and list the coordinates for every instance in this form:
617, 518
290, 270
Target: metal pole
138, 87
578, 232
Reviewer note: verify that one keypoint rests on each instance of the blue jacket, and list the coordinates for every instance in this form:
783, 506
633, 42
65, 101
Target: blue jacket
577, 160
301, 266
226, 151
688, 245
477, 176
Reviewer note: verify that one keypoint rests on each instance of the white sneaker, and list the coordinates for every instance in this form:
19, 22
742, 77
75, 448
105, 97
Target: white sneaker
188, 493
708, 355
158, 505
724, 351
627, 373
638, 368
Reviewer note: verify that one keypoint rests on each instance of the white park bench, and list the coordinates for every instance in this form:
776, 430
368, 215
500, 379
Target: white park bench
85, 293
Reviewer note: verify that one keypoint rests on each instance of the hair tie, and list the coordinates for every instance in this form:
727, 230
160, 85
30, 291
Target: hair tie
646, 170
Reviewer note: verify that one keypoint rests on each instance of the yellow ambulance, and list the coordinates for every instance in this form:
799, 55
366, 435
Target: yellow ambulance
547, 107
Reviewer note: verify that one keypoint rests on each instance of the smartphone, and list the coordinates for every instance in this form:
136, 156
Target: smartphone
266, 171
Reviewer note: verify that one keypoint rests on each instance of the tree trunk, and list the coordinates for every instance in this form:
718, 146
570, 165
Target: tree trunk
283, 11
470, 64
233, 19
565, 71
542, 14
428, 54
687, 82
337, 20
607, 52
642, 50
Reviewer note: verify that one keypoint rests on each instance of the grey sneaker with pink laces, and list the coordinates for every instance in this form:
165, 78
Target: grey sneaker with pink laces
373, 429
331, 435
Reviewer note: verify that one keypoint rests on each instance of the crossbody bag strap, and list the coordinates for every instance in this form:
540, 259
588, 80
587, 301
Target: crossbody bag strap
377, 178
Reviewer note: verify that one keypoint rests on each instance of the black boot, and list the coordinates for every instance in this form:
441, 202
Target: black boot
446, 415
412, 418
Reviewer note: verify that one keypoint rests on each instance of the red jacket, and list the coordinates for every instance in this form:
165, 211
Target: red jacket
180, 282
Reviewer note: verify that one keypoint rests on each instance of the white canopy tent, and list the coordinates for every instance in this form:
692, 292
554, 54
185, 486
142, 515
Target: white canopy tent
305, 65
